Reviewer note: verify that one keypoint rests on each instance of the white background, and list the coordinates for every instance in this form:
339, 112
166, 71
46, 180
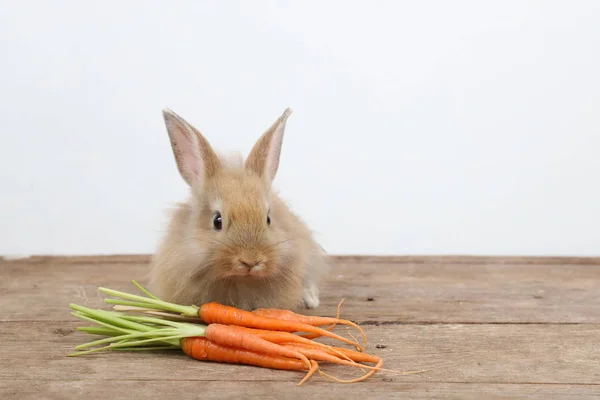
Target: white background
419, 127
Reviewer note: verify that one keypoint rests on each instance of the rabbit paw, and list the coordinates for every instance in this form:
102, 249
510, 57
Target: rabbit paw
310, 296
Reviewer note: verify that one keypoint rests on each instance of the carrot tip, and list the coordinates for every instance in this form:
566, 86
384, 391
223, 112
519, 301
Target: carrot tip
314, 366
359, 379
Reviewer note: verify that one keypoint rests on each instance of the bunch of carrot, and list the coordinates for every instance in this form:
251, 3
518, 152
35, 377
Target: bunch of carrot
269, 338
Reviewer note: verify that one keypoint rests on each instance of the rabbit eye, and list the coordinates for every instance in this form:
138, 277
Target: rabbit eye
218, 221
268, 220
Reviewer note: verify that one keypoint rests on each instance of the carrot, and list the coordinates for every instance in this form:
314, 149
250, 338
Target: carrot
358, 356
130, 332
359, 379
287, 337
217, 313
226, 343
348, 354
337, 316
230, 336
225, 335
203, 349
286, 315
352, 355
316, 354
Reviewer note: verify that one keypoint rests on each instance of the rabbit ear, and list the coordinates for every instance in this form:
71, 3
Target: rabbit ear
264, 157
195, 158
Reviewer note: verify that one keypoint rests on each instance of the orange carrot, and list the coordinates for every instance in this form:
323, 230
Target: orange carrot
315, 354
221, 314
337, 351
337, 317
201, 348
215, 313
286, 337
229, 336
359, 379
353, 355
286, 315
358, 356
318, 354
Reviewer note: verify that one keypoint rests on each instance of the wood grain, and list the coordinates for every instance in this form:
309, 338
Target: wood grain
485, 327
66, 389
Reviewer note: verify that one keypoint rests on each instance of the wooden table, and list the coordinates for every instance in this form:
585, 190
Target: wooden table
485, 328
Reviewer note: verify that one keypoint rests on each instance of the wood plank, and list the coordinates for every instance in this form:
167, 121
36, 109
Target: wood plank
484, 354
411, 259
66, 389
487, 327
401, 292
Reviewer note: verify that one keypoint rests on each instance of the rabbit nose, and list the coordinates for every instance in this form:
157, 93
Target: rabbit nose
251, 263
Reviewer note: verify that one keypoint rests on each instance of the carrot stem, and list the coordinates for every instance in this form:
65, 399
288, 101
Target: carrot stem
159, 321
190, 311
135, 323
81, 353
94, 330
99, 349
117, 338
147, 348
110, 317
152, 340
155, 312
133, 304
130, 327
145, 291
102, 323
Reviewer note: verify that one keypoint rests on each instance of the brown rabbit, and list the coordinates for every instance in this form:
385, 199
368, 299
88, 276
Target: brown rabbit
235, 241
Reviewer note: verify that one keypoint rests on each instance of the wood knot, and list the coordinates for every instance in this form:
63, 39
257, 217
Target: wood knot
62, 331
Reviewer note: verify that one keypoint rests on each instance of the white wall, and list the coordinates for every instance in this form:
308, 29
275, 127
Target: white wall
435, 127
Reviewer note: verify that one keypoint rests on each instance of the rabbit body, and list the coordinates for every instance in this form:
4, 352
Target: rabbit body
234, 241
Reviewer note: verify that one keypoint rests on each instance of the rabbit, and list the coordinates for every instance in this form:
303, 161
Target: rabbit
234, 241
